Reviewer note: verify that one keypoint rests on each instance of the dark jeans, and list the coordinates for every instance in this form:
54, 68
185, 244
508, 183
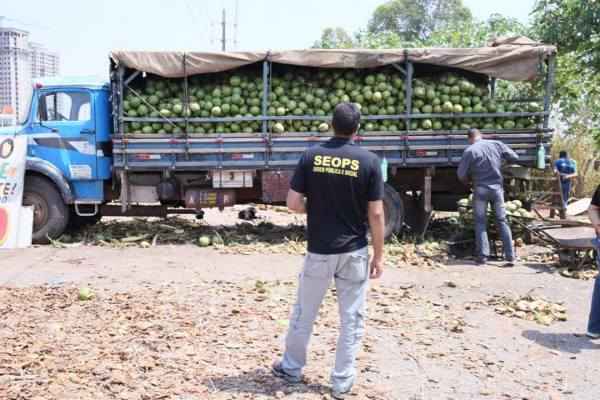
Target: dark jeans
594, 319
483, 196
565, 186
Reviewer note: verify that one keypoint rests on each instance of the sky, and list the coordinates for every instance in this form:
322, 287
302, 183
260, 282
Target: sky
83, 32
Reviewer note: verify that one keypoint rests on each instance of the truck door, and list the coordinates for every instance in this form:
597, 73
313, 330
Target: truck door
64, 132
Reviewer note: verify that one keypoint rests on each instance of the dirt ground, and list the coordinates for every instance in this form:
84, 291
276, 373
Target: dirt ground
185, 322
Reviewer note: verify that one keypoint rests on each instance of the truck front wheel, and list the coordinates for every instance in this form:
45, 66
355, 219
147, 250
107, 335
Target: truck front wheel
50, 213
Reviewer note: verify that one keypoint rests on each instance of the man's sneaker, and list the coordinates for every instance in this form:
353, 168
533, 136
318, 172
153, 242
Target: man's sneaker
593, 335
481, 261
336, 394
509, 263
279, 372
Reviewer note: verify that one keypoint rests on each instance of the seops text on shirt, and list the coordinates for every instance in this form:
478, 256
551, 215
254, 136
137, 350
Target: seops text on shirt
336, 165
338, 179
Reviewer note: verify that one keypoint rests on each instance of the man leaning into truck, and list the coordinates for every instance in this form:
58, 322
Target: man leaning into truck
340, 187
482, 162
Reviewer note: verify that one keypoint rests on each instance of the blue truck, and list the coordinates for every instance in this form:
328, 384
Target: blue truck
83, 161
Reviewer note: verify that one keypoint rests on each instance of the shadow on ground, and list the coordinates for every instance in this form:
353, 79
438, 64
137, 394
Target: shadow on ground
260, 382
565, 342
540, 268
584, 272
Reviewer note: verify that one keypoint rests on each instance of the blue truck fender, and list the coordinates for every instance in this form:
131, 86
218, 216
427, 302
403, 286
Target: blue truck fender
43, 167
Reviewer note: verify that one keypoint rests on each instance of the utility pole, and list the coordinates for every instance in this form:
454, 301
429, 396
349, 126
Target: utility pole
224, 31
235, 25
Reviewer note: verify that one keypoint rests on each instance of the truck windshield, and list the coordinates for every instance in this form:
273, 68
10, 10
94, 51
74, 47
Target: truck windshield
64, 106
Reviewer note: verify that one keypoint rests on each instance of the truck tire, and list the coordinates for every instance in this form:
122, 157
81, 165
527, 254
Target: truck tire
393, 210
50, 214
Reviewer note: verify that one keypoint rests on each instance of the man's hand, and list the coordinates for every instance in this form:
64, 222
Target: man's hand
296, 202
377, 225
594, 214
376, 269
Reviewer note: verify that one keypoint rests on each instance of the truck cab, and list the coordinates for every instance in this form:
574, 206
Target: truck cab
68, 128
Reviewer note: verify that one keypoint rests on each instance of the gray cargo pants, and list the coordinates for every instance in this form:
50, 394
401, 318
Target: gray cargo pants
351, 274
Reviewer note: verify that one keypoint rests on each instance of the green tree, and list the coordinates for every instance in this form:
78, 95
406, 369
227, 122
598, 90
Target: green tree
338, 38
574, 25
379, 40
577, 91
334, 38
415, 20
473, 33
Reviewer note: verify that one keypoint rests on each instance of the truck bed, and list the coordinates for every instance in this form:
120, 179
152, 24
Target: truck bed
194, 152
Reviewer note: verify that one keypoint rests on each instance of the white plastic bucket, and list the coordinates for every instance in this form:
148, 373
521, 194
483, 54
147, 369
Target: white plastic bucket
25, 227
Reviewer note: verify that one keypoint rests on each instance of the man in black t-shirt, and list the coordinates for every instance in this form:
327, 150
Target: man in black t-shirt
593, 330
339, 185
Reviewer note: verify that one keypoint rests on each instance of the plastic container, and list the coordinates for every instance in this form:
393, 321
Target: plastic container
25, 227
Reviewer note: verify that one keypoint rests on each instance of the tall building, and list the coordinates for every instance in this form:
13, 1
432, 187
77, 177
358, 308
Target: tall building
43, 62
20, 62
7, 119
15, 70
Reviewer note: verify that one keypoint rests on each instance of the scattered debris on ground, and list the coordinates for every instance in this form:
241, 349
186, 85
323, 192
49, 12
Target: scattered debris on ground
199, 338
258, 237
206, 339
529, 308
551, 261
261, 236
429, 254
590, 272
547, 257
145, 232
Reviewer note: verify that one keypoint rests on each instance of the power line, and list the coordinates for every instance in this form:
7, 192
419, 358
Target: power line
221, 31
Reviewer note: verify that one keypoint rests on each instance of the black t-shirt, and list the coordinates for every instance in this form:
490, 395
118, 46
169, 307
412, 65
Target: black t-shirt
596, 197
338, 179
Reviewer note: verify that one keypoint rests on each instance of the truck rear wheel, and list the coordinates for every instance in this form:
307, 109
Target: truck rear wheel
50, 213
393, 210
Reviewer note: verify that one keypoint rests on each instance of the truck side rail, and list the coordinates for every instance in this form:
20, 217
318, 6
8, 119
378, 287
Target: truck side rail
253, 151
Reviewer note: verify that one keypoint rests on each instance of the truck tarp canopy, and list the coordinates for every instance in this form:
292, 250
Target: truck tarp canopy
512, 58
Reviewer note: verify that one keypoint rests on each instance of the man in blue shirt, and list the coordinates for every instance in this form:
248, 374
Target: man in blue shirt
482, 162
566, 169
